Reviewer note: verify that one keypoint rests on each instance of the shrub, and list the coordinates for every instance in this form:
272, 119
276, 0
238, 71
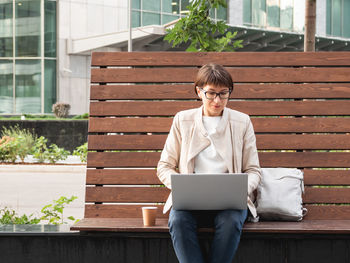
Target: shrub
52, 153
53, 213
61, 110
17, 142
40, 149
55, 153
9, 216
8, 149
82, 151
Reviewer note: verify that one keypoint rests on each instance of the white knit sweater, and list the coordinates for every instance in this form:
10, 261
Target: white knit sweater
208, 160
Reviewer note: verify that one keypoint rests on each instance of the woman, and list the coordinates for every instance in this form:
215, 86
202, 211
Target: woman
210, 139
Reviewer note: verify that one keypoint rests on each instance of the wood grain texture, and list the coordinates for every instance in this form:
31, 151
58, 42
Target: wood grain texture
120, 225
327, 195
326, 177
119, 211
328, 212
130, 194
306, 226
315, 212
246, 74
136, 225
241, 91
122, 176
265, 125
267, 159
149, 177
118, 194
170, 108
124, 186
264, 142
226, 58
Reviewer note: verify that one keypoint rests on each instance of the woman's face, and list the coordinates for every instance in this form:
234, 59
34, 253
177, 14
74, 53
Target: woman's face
213, 107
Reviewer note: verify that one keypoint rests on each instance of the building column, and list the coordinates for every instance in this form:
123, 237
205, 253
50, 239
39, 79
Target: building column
235, 12
321, 17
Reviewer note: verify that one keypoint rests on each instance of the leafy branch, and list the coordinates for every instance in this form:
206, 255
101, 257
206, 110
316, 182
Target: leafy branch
203, 33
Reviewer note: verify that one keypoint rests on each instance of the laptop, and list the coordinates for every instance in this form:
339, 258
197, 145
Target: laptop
209, 191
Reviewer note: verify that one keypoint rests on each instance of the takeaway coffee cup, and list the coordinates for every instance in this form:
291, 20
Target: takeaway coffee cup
149, 215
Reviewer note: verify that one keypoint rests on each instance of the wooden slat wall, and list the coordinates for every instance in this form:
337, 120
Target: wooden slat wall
300, 108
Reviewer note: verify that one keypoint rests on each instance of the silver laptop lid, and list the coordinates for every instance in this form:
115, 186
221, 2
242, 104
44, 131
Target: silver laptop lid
209, 191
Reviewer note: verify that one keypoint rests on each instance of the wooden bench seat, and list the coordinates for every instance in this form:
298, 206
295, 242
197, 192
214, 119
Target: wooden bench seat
299, 104
136, 225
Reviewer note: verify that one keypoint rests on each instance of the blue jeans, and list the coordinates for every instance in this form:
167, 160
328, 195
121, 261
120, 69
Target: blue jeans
228, 225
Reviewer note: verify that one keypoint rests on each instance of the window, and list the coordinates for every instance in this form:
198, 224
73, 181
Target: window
160, 12
27, 56
338, 18
274, 14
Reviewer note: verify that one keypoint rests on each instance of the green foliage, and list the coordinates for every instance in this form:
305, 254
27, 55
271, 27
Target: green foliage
53, 213
15, 143
40, 149
9, 216
44, 117
82, 116
8, 149
201, 31
53, 153
82, 151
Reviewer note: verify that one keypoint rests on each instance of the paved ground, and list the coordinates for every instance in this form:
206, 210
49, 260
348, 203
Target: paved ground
27, 188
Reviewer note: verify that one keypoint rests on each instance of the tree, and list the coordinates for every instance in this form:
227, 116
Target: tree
310, 25
203, 33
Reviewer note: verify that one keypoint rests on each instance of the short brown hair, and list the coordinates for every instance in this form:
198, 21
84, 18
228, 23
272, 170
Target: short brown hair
213, 74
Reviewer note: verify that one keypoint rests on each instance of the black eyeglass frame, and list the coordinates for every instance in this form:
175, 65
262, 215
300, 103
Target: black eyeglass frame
216, 94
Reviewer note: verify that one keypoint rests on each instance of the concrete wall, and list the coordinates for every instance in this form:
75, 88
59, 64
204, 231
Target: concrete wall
80, 19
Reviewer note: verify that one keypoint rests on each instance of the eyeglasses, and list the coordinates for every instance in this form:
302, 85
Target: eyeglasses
211, 95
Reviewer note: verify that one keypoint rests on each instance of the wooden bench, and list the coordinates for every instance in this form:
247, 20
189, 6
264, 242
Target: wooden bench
299, 105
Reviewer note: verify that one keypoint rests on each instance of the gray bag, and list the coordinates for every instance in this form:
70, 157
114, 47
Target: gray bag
279, 194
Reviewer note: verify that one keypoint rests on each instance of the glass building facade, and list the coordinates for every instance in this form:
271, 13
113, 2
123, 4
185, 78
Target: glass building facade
338, 18
27, 56
288, 15
160, 12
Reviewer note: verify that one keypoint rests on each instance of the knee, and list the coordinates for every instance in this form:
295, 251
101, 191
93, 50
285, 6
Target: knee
181, 220
230, 220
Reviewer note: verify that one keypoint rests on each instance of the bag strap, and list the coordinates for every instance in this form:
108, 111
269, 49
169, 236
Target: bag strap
304, 211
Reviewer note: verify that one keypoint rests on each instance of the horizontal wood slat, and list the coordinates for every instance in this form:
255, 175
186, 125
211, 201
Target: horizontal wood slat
326, 195
148, 176
328, 212
118, 211
248, 74
315, 212
267, 159
118, 194
225, 58
264, 142
241, 91
271, 125
169, 108
126, 194
122, 176
326, 177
